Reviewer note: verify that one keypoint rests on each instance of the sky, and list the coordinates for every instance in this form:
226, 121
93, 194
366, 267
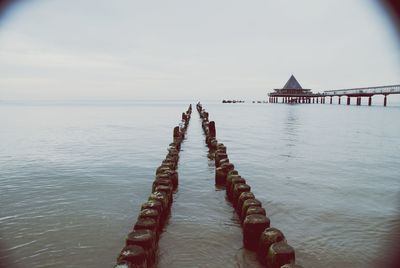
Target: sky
190, 50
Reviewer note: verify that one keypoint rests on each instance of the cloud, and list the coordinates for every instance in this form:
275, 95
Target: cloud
179, 49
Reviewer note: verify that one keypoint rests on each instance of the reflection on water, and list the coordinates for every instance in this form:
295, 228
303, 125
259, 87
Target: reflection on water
290, 132
73, 177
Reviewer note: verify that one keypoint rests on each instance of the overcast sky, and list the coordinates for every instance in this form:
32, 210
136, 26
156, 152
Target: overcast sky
208, 49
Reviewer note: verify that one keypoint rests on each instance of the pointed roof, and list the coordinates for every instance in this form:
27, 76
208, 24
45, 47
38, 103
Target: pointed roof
292, 84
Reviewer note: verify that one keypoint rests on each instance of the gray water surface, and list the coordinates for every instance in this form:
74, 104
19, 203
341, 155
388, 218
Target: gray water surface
73, 177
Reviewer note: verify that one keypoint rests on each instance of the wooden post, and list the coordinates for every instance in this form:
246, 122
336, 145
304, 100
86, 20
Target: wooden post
385, 101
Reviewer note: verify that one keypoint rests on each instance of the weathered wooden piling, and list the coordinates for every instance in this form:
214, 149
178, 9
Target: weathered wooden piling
235, 180
267, 238
147, 224
252, 202
157, 205
151, 214
269, 243
141, 243
221, 172
255, 210
162, 197
279, 254
147, 240
238, 189
243, 197
132, 256
253, 226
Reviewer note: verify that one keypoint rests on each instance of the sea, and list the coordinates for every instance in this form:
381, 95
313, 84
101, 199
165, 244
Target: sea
73, 175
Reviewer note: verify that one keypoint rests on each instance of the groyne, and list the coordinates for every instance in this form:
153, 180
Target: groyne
141, 245
269, 243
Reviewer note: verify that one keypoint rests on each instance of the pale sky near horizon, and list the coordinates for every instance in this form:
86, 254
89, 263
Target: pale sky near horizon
207, 50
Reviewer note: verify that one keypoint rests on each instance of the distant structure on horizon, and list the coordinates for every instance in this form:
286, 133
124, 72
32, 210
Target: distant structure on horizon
292, 92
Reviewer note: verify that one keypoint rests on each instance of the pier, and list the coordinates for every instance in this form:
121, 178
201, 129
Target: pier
358, 93
293, 93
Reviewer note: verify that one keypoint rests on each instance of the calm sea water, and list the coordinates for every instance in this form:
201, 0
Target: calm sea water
73, 177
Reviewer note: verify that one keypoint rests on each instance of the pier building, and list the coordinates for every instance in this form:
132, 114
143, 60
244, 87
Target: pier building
292, 92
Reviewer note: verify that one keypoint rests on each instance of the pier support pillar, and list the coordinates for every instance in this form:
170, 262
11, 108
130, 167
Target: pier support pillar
339, 100
369, 100
358, 101
330, 102
317, 99
385, 101
348, 100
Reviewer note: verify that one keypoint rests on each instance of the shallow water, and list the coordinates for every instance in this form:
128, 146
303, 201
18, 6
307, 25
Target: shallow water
73, 176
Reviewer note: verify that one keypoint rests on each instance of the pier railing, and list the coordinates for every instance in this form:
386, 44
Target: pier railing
384, 90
